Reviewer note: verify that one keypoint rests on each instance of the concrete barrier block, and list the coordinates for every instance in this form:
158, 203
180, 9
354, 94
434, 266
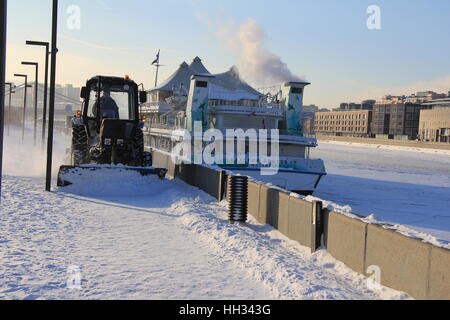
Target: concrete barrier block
253, 199
187, 173
273, 205
439, 282
346, 240
201, 177
300, 221
172, 168
212, 183
283, 212
268, 201
403, 261
208, 180
160, 160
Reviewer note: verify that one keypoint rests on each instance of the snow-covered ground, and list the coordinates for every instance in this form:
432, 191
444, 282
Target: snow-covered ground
134, 237
398, 185
171, 241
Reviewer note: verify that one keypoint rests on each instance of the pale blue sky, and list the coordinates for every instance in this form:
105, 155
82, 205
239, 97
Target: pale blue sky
326, 41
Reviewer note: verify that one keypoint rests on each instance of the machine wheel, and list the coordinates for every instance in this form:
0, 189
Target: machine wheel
137, 148
80, 142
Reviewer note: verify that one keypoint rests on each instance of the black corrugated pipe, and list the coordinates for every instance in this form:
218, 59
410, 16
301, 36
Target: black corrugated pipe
237, 194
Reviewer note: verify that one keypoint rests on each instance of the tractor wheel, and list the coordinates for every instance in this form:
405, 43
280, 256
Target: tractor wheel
137, 148
80, 143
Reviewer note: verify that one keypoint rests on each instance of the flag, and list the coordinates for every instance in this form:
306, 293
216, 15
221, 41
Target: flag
157, 58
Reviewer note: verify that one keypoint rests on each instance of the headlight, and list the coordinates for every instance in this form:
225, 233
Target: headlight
120, 142
108, 142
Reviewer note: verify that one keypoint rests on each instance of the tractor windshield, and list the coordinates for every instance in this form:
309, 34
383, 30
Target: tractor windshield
116, 102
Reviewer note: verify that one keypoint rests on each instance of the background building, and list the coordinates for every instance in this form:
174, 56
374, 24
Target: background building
365, 105
396, 117
308, 118
435, 123
343, 123
424, 96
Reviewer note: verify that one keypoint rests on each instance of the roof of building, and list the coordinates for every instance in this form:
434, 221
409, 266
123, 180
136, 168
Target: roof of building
224, 85
438, 101
198, 68
180, 77
231, 81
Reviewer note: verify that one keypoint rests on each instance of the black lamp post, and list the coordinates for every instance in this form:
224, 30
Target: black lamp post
47, 53
24, 101
11, 87
51, 118
36, 84
3, 6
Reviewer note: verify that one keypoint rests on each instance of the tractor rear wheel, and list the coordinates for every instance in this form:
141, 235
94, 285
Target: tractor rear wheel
80, 143
137, 148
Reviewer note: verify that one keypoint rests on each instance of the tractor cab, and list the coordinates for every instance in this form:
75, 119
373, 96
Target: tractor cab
110, 98
107, 129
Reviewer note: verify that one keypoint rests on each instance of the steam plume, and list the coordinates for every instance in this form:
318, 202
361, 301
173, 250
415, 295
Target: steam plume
256, 63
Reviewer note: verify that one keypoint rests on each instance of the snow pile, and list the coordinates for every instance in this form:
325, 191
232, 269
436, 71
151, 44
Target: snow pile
113, 181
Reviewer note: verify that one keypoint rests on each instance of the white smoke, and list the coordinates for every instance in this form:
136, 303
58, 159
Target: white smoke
25, 159
256, 63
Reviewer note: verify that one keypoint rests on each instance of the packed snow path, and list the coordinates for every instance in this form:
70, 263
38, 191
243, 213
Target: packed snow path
398, 185
162, 240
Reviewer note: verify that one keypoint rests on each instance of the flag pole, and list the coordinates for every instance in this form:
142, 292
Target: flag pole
156, 78
157, 65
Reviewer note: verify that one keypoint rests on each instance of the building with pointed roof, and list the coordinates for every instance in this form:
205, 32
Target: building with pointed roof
227, 85
230, 84
198, 68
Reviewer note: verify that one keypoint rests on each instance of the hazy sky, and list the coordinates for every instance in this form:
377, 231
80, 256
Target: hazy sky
327, 42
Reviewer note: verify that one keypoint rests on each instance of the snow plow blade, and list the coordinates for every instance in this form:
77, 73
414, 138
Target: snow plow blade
69, 175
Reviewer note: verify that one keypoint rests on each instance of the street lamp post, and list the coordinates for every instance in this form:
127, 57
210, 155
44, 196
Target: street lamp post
51, 115
47, 53
11, 87
3, 6
36, 84
24, 102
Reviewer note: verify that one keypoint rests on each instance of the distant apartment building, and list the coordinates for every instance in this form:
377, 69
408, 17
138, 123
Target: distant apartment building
308, 118
311, 108
397, 117
424, 96
434, 123
365, 105
67, 94
70, 91
308, 124
354, 123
